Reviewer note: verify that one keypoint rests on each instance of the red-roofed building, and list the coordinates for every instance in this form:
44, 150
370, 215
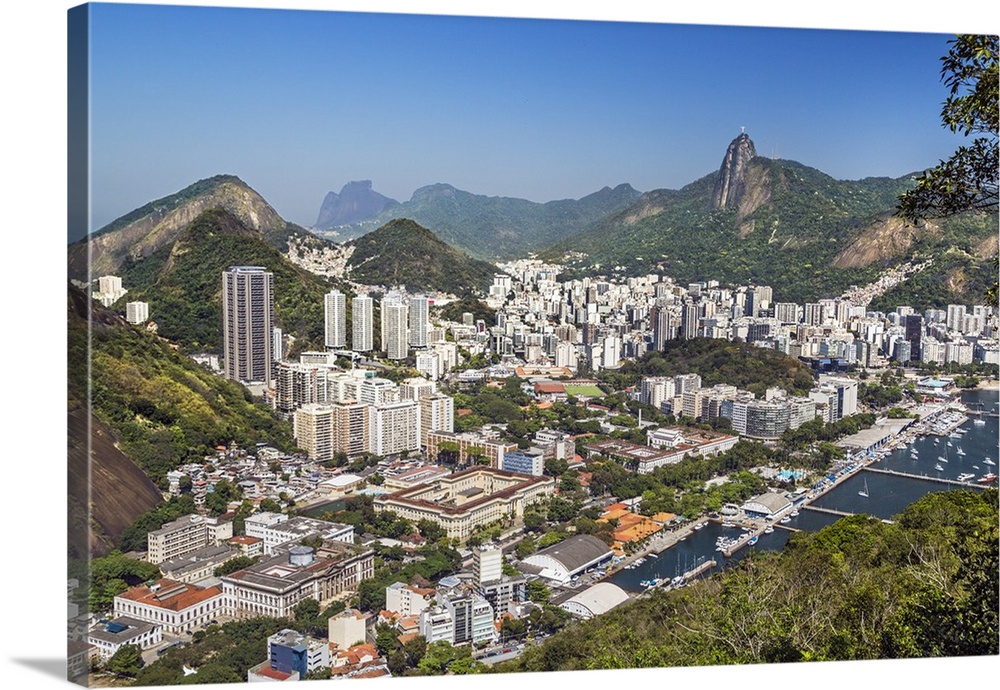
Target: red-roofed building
263, 672
176, 606
248, 546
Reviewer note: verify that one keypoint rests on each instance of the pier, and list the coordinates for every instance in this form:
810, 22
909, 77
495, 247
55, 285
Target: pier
790, 529
828, 511
940, 480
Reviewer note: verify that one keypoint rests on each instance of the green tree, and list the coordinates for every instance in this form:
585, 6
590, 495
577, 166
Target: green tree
968, 180
126, 662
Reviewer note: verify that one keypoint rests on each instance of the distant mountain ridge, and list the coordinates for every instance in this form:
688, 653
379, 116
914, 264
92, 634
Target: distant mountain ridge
356, 202
495, 227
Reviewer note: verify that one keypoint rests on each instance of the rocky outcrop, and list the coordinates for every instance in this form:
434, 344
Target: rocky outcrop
730, 183
885, 239
356, 202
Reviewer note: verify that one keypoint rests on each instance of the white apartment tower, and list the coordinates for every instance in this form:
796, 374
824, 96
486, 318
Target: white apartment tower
247, 323
362, 322
335, 313
419, 321
137, 312
437, 413
394, 328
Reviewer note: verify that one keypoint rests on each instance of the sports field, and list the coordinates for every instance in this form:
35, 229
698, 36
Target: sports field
588, 390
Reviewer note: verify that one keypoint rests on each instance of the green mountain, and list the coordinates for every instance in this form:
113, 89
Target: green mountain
402, 252
182, 281
152, 409
786, 225
145, 230
495, 227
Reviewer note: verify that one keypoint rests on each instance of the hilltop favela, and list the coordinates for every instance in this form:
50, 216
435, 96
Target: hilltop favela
751, 420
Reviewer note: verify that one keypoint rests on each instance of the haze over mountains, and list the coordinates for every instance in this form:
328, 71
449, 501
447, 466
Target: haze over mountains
755, 220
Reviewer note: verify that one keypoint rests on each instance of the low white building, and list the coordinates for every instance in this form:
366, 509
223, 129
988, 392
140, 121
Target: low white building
596, 600
107, 638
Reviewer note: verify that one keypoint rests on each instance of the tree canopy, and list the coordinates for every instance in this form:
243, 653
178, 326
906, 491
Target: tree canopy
968, 180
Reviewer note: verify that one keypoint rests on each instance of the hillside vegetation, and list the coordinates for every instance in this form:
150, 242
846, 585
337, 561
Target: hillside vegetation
796, 229
183, 283
402, 252
925, 586
717, 361
161, 407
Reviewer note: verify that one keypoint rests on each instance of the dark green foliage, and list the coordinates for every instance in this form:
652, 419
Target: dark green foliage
436, 562
859, 589
134, 538
717, 361
967, 180
453, 311
112, 574
234, 564
126, 662
404, 253
222, 655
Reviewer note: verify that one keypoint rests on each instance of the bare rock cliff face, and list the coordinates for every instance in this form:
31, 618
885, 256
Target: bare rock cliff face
730, 184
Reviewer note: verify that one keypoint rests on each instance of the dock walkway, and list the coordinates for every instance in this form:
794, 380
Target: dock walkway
940, 480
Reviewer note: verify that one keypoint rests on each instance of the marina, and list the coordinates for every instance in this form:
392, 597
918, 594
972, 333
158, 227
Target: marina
896, 476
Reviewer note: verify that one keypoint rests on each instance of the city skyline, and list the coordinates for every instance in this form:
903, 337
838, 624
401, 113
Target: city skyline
298, 103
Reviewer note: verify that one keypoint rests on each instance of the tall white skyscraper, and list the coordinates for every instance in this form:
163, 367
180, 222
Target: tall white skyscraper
394, 327
362, 322
335, 313
419, 321
247, 323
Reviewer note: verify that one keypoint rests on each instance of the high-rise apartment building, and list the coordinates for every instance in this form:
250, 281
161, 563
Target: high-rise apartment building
247, 324
437, 413
335, 313
419, 321
394, 328
362, 324
137, 312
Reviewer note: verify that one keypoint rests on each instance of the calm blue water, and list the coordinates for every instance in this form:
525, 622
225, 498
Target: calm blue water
887, 496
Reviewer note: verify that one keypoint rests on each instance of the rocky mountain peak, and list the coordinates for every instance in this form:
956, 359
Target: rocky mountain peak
357, 201
729, 184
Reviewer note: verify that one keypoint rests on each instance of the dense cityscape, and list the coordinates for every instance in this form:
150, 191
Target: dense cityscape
497, 410
463, 491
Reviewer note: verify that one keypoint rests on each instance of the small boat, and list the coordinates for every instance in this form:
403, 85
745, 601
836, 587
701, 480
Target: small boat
989, 462
768, 529
785, 520
987, 478
794, 513
979, 422
753, 540
699, 525
653, 555
938, 467
960, 451
965, 476
975, 467
864, 492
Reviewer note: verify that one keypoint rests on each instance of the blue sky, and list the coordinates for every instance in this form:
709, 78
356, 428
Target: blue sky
298, 103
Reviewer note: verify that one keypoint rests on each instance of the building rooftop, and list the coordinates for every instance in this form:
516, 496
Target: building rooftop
576, 552
170, 595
